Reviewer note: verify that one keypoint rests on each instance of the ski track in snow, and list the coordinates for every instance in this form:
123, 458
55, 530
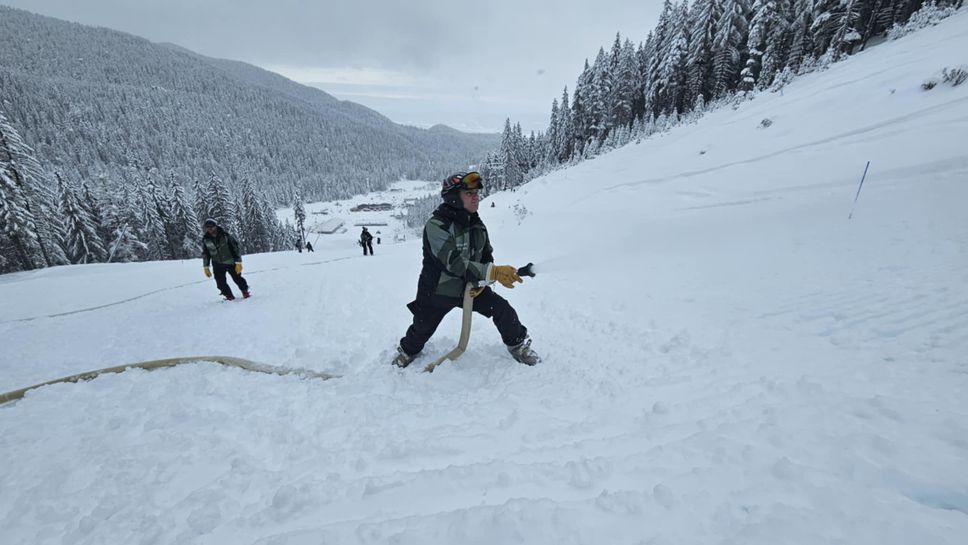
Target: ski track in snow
778, 153
153, 292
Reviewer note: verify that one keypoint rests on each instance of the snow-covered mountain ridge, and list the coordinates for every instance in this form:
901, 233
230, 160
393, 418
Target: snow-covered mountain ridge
95, 103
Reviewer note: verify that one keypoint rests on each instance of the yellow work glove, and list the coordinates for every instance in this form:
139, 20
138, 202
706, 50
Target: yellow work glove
505, 274
238, 268
476, 291
208, 272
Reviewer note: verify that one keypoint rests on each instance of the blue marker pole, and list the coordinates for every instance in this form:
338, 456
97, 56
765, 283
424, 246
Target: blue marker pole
861, 186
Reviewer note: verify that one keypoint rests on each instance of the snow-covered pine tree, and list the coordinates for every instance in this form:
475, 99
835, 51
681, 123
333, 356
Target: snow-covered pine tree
219, 203
185, 225
290, 234
17, 159
658, 44
201, 201
150, 226
699, 62
777, 40
580, 117
257, 234
904, 9
670, 87
280, 236
553, 138
124, 245
509, 156
18, 230
598, 93
878, 19
491, 170
835, 26
520, 144
299, 211
564, 141
95, 211
624, 83
801, 41
533, 143
885, 14
240, 226
764, 19
161, 198
84, 244
731, 31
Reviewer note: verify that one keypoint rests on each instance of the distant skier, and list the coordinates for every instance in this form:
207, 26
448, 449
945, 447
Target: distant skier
366, 240
309, 246
222, 251
457, 250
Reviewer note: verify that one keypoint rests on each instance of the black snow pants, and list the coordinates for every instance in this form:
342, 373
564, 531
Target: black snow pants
426, 318
219, 270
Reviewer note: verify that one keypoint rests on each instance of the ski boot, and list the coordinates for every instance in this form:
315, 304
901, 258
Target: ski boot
522, 352
246, 294
229, 297
402, 359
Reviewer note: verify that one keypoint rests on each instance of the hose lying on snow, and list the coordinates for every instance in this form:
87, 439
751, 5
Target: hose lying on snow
171, 362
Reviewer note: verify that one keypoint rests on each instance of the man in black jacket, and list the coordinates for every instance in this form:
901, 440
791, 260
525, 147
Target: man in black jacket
366, 240
457, 250
222, 251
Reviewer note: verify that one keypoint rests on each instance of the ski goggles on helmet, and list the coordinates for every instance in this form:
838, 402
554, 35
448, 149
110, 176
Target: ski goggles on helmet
469, 181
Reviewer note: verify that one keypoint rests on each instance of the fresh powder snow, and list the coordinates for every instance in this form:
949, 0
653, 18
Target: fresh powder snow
727, 357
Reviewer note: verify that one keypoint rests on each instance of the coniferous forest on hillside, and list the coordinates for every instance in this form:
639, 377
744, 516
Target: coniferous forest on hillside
700, 56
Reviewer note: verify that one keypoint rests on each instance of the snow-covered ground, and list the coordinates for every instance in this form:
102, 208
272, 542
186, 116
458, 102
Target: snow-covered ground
334, 225
728, 358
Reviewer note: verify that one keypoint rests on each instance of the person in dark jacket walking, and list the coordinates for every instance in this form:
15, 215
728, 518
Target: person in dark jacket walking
309, 246
366, 240
457, 250
221, 250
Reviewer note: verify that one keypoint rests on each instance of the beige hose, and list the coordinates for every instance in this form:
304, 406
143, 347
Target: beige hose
171, 362
465, 331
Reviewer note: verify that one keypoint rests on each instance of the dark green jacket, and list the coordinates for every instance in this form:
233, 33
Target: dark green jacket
456, 250
220, 248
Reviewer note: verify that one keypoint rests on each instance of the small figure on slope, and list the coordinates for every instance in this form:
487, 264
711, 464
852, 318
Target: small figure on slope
221, 250
366, 240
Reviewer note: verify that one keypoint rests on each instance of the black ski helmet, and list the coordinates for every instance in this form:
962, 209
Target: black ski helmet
450, 189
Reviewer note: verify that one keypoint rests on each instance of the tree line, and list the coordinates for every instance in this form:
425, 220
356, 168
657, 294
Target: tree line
49, 219
698, 56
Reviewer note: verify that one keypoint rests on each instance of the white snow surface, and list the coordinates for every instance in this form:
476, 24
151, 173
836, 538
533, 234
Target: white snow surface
727, 357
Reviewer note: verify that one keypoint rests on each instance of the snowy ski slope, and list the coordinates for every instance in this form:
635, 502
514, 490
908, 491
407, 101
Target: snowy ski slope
728, 358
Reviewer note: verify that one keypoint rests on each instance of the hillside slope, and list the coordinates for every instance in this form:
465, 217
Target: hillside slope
727, 357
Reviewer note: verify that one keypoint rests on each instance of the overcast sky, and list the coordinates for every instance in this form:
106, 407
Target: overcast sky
420, 62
